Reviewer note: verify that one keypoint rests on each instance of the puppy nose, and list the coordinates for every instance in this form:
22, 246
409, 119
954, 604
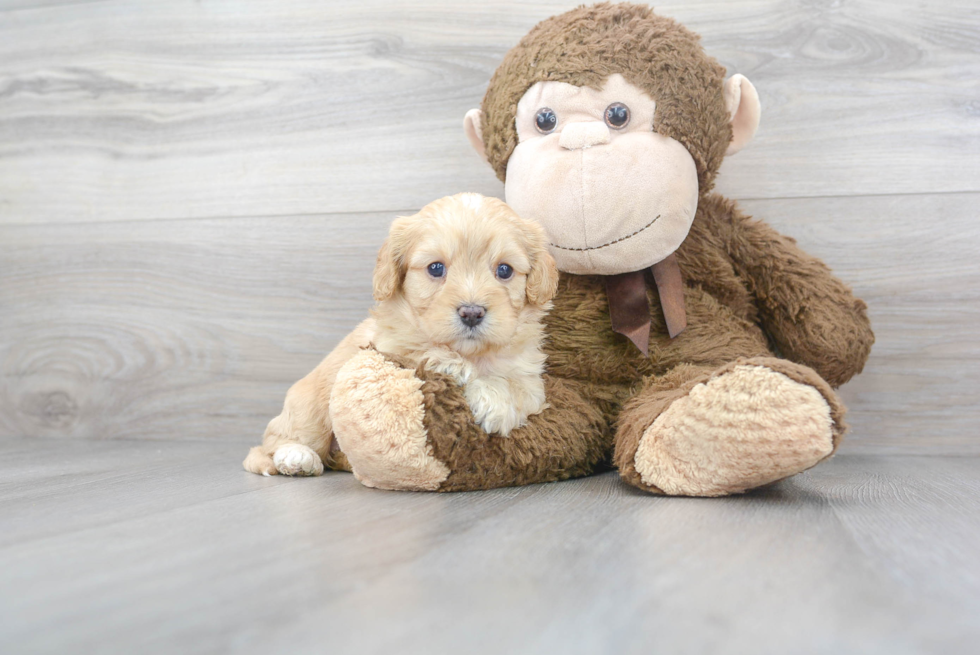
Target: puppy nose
585, 134
471, 315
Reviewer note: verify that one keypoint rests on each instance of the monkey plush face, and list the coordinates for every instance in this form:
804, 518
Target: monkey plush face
613, 194
606, 124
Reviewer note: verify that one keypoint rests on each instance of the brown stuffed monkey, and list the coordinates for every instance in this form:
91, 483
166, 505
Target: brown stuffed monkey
607, 124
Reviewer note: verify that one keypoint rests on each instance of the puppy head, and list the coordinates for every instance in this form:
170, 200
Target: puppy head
468, 269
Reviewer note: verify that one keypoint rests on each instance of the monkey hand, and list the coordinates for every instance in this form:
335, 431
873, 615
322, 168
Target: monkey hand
377, 408
412, 429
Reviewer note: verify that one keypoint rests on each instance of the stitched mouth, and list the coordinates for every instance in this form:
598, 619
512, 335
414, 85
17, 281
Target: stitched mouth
611, 243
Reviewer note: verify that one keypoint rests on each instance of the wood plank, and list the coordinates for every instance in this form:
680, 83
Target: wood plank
897, 508
174, 329
33, 5
589, 565
194, 329
109, 482
121, 110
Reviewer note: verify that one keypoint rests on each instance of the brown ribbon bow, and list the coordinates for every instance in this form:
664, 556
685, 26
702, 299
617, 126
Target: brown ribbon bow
629, 308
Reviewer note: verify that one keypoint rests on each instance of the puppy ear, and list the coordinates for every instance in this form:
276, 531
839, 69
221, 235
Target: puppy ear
542, 281
390, 267
386, 273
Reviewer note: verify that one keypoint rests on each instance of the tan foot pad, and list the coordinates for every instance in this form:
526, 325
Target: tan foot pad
740, 430
377, 414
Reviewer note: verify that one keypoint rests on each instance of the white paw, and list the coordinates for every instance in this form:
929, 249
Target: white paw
451, 364
493, 406
297, 459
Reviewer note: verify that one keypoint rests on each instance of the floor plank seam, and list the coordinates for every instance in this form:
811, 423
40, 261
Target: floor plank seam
402, 211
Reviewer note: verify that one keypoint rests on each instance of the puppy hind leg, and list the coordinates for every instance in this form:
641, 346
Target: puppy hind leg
298, 440
297, 459
284, 450
259, 461
305, 418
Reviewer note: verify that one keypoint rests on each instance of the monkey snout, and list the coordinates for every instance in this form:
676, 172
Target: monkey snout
471, 315
575, 136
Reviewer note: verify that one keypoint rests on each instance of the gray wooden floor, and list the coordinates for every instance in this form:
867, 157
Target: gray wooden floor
192, 194
163, 547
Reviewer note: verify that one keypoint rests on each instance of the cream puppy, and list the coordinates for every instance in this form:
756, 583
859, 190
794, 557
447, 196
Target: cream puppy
461, 287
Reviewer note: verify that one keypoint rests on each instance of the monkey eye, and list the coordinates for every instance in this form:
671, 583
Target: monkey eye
617, 115
436, 269
504, 272
546, 120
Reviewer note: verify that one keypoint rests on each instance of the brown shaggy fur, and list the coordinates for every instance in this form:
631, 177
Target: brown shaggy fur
569, 439
748, 288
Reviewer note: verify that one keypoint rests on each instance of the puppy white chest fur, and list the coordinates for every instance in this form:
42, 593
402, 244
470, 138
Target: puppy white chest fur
502, 390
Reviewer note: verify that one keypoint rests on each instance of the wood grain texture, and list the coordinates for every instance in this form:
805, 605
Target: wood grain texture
174, 329
194, 329
165, 547
123, 110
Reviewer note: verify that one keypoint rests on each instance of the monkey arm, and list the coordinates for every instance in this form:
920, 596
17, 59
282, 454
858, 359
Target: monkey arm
403, 426
568, 439
811, 316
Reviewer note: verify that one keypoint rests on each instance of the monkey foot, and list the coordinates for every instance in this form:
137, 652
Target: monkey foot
745, 427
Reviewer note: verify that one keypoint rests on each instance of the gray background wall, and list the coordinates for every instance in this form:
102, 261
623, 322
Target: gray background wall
192, 193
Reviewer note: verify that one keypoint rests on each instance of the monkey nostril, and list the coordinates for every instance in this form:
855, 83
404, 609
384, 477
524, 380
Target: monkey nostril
471, 315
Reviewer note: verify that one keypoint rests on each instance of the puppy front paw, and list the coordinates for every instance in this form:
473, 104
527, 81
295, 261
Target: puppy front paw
501, 405
494, 408
297, 459
451, 364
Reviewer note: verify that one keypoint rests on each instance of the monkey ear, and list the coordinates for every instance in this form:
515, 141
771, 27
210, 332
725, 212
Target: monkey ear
742, 102
473, 127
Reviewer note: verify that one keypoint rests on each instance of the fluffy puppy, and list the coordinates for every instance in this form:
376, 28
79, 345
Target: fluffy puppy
462, 286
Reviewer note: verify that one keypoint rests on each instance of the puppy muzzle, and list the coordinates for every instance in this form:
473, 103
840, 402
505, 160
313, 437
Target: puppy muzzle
471, 315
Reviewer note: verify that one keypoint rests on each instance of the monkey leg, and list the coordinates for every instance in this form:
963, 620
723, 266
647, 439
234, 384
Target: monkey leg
411, 429
711, 432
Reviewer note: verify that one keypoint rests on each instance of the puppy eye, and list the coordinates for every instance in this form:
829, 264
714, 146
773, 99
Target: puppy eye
617, 115
545, 120
437, 269
504, 272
